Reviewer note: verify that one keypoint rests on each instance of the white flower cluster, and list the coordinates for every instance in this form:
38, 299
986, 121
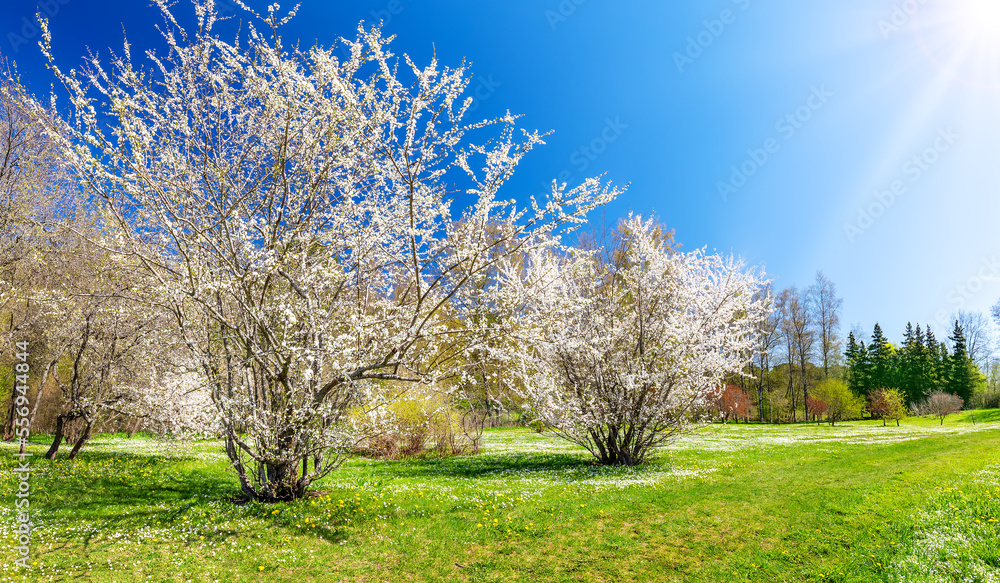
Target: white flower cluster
296, 209
627, 349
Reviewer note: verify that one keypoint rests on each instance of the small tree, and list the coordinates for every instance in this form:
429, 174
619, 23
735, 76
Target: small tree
625, 349
101, 346
734, 403
816, 408
887, 404
842, 403
941, 404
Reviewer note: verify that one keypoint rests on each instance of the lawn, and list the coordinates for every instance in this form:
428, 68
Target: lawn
856, 502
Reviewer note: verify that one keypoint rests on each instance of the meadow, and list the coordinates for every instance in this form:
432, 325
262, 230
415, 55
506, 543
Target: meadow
855, 502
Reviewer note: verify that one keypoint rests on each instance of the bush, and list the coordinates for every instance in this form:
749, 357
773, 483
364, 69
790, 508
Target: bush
415, 425
841, 402
940, 404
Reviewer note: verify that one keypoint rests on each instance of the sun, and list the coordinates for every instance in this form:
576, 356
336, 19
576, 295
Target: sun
961, 38
980, 20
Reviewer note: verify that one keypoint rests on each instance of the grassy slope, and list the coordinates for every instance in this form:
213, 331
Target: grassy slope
790, 503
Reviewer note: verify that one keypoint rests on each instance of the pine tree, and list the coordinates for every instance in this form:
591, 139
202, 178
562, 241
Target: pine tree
931, 363
943, 367
909, 374
856, 357
960, 366
923, 368
880, 355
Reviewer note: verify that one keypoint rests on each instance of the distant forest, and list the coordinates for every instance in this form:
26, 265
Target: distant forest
801, 346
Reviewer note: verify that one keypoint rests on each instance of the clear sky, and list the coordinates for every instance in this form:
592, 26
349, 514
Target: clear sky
856, 137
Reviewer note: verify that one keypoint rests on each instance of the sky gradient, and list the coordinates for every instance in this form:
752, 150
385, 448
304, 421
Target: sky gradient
855, 137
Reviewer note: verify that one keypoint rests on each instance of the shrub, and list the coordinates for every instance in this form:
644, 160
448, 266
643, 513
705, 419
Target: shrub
841, 402
887, 404
414, 425
940, 404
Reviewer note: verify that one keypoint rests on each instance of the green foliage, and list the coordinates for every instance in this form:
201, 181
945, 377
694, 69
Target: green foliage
887, 404
920, 366
962, 372
881, 362
842, 403
419, 423
6, 381
857, 365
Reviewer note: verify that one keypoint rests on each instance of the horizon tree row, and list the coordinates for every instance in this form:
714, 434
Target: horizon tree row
920, 366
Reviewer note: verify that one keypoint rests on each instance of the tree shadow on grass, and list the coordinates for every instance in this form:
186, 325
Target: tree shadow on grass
484, 465
985, 416
126, 489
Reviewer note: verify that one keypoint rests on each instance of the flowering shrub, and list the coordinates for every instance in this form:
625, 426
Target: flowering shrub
626, 349
296, 212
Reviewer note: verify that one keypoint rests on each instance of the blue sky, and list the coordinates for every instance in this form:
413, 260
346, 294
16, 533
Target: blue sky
855, 137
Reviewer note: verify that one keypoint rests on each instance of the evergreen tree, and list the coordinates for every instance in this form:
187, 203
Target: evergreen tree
856, 356
880, 355
961, 370
909, 374
931, 363
942, 370
923, 365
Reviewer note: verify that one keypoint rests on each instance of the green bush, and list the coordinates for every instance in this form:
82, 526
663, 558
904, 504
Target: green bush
418, 424
842, 403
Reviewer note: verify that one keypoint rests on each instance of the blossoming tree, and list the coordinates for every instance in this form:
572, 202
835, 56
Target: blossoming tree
300, 213
629, 347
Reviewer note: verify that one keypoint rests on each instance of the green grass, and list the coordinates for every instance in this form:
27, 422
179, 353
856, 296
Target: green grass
856, 502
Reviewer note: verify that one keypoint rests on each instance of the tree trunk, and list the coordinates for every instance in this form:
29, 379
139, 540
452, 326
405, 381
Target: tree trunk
70, 433
84, 436
57, 438
282, 481
38, 397
8, 425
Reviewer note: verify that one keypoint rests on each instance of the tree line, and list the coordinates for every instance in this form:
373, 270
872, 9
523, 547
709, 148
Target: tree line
800, 349
920, 365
